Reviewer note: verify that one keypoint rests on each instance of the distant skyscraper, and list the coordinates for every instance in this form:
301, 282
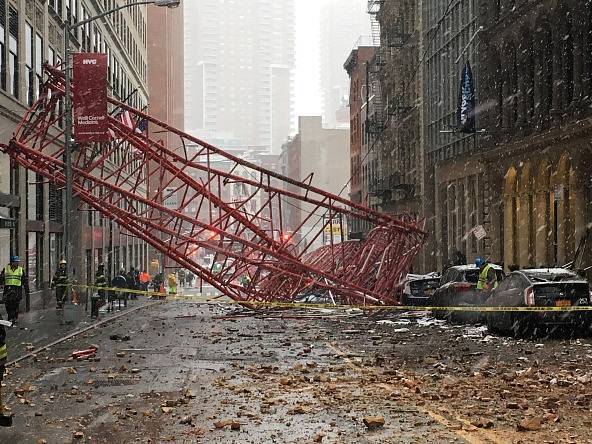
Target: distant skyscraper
239, 63
342, 23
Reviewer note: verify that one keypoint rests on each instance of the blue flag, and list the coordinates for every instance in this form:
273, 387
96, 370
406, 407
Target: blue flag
466, 102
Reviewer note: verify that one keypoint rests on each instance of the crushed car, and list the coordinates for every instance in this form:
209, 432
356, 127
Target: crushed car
419, 288
458, 288
541, 287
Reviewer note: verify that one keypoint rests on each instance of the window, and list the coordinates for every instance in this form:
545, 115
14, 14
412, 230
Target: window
74, 10
55, 203
2, 44
35, 200
29, 73
34, 260
38, 64
86, 32
13, 68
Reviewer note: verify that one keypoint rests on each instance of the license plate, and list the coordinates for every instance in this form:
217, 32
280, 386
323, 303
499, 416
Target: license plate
563, 303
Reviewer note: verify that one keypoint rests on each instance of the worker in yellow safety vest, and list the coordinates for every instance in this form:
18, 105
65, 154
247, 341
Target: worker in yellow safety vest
3, 358
15, 280
487, 275
172, 281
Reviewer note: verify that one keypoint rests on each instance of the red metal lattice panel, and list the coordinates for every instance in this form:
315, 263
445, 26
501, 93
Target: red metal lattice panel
183, 203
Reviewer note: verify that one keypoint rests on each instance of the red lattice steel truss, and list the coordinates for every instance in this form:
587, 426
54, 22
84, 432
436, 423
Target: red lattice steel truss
179, 201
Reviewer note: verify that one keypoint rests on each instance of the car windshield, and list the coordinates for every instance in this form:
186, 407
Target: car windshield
471, 276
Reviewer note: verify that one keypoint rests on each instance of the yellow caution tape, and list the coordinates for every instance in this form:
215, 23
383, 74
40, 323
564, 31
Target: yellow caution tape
116, 289
213, 299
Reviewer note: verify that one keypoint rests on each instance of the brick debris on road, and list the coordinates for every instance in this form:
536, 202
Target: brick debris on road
186, 372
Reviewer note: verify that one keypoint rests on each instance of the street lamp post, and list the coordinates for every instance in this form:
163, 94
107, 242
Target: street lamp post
68, 28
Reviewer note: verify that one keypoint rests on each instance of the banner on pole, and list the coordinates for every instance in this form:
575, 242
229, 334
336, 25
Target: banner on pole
466, 102
91, 122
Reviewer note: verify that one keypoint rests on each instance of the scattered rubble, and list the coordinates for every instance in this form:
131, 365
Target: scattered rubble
373, 422
234, 424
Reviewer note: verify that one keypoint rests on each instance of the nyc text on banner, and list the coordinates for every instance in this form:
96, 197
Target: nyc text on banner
91, 122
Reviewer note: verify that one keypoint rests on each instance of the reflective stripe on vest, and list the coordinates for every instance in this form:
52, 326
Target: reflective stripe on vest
13, 278
3, 353
482, 283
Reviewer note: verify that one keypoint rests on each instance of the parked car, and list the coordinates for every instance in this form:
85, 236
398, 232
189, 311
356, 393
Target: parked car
315, 298
419, 288
548, 287
458, 288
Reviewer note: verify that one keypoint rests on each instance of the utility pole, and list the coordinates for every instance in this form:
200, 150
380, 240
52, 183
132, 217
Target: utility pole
68, 142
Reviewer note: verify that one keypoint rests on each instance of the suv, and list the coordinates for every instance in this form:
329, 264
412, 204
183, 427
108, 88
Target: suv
419, 288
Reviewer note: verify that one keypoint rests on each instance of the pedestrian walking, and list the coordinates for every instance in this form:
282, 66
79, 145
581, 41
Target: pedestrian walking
133, 282
59, 283
144, 280
101, 282
172, 281
182, 278
157, 282
15, 281
119, 281
190, 279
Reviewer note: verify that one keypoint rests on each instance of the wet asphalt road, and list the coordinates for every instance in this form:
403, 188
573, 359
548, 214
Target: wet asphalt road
216, 373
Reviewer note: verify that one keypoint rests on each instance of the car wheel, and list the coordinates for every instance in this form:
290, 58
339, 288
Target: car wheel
522, 329
441, 315
493, 327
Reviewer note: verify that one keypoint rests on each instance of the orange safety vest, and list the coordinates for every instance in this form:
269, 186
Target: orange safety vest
144, 277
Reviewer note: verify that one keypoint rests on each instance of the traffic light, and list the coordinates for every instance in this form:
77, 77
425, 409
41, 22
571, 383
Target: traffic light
286, 237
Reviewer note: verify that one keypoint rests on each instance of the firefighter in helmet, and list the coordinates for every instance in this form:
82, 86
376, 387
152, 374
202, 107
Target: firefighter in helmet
59, 283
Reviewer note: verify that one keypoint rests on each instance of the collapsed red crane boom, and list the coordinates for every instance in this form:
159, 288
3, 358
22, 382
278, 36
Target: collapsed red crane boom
199, 199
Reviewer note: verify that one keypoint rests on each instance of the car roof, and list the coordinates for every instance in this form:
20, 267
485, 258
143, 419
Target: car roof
471, 267
547, 272
417, 277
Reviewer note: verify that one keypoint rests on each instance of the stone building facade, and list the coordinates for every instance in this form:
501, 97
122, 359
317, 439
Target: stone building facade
537, 70
455, 198
31, 220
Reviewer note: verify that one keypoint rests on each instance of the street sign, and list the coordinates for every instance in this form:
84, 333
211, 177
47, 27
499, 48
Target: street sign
7, 223
333, 228
170, 197
480, 232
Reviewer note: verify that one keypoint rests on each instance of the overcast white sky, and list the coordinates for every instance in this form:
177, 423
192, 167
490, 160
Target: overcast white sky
307, 58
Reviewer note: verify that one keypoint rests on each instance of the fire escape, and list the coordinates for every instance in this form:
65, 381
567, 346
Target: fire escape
373, 10
392, 56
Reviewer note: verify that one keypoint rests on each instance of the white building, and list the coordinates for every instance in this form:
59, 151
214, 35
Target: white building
239, 62
342, 23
